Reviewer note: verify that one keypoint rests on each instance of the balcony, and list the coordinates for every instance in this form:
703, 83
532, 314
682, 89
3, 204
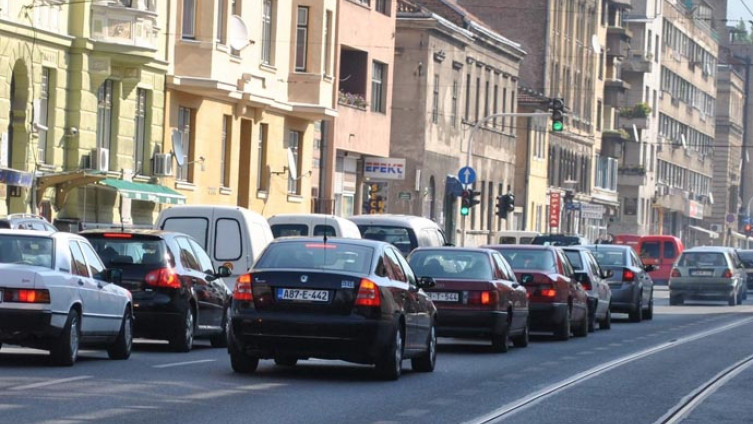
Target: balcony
612, 143
625, 4
614, 90
121, 29
633, 176
638, 63
618, 41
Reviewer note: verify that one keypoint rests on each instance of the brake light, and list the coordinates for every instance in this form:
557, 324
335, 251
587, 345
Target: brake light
26, 296
163, 277
118, 235
727, 273
320, 246
548, 293
368, 294
586, 285
675, 273
243, 290
628, 275
482, 297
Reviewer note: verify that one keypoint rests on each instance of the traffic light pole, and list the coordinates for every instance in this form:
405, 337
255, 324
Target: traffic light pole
747, 213
470, 145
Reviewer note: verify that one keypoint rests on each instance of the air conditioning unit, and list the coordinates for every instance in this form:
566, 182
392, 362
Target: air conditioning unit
162, 165
100, 159
715, 228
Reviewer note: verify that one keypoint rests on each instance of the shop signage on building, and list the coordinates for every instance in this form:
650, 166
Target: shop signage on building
384, 168
695, 210
555, 202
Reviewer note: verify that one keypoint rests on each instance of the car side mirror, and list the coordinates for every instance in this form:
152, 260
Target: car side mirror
426, 282
114, 275
649, 268
223, 271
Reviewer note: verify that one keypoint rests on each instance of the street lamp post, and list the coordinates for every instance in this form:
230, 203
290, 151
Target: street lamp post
747, 215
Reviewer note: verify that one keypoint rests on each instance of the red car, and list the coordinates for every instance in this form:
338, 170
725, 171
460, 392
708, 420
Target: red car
476, 294
558, 303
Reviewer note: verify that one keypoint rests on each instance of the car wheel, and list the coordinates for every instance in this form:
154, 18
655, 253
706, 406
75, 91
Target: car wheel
522, 339
739, 297
500, 341
732, 300
637, 314
427, 361
563, 332
121, 349
184, 341
389, 367
64, 351
606, 323
592, 319
582, 329
220, 340
648, 314
242, 363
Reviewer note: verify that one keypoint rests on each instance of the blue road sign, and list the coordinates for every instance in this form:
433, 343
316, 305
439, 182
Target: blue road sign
467, 175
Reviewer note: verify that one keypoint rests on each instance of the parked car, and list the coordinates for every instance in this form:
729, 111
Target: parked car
631, 286
406, 232
25, 221
57, 295
746, 257
557, 303
661, 251
593, 280
559, 240
312, 225
515, 237
476, 294
177, 294
349, 299
707, 273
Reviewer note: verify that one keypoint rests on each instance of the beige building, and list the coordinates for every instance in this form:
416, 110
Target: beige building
247, 81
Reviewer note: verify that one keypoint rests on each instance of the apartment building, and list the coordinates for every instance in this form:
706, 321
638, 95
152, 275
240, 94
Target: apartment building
687, 107
247, 82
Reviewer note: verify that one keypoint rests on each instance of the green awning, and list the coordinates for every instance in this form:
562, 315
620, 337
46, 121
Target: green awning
148, 192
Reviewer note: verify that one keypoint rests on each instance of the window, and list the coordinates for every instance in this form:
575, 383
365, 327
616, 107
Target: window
467, 114
496, 104
104, 114
227, 124
266, 37
43, 118
187, 257
302, 39
228, 248
378, 74
221, 14
184, 126
454, 116
139, 137
478, 97
328, 43
78, 263
234, 10
205, 263
294, 143
194, 227
435, 100
261, 160
96, 267
383, 7
189, 19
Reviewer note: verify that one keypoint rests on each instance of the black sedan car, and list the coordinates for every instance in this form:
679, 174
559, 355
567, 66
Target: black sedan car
347, 299
631, 285
177, 295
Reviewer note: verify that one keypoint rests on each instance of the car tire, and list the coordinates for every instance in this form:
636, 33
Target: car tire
732, 301
582, 329
121, 349
606, 323
183, 342
648, 314
220, 340
675, 300
64, 350
500, 342
522, 339
637, 314
563, 332
286, 361
389, 366
428, 360
592, 319
242, 363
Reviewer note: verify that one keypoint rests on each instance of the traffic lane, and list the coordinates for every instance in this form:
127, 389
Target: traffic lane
644, 390
467, 373
731, 403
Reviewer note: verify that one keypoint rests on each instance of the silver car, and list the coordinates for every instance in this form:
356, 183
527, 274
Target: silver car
707, 273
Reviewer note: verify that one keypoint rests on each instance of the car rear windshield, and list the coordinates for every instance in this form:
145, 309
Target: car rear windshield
451, 264
574, 259
27, 250
530, 259
650, 250
746, 257
317, 255
556, 240
290, 230
398, 236
702, 259
124, 251
609, 257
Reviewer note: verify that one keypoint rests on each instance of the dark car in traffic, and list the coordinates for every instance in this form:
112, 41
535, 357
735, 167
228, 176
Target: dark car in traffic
631, 285
557, 239
177, 295
476, 294
746, 257
558, 303
355, 300
593, 279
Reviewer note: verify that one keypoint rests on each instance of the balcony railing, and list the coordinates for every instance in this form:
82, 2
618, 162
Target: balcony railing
115, 22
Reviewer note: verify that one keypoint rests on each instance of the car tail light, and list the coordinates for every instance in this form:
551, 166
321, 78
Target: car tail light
586, 283
368, 294
163, 277
118, 235
727, 273
243, 290
628, 275
26, 296
675, 273
483, 297
549, 292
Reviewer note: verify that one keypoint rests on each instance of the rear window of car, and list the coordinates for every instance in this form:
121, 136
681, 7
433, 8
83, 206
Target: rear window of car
451, 265
556, 240
196, 227
746, 257
400, 237
609, 257
702, 259
290, 230
317, 255
650, 250
530, 259
508, 240
122, 251
575, 259
27, 250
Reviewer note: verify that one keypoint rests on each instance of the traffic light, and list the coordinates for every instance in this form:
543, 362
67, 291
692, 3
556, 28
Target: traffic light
505, 205
748, 230
557, 106
472, 200
465, 202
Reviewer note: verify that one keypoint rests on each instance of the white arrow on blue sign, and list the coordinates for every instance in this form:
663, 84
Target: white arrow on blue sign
467, 175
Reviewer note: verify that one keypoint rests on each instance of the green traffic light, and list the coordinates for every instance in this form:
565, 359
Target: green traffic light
464, 211
557, 126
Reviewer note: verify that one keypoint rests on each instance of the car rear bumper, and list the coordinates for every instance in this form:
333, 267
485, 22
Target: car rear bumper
624, 298
710, 291
348, 337
547, 316
161, 319
471, 323
27, 328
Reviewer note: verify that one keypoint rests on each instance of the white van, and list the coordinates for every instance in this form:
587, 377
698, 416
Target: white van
515, 237
231, 235
406, 232
312, 224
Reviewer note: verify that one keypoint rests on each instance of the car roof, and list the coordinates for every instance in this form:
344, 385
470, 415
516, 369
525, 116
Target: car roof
708, 249
139, 231
452, 249
520, 247
337, 240
392, 219
26, 232
623, 247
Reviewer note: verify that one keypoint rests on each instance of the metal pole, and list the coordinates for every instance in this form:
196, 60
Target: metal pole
747, 213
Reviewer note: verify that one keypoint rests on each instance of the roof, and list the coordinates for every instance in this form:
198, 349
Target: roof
520, 246
390, 219
720, 249
331, 240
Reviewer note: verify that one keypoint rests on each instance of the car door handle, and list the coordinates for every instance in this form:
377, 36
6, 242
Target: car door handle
81, 282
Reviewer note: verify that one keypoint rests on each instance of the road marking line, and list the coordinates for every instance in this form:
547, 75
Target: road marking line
180, 364
50, 382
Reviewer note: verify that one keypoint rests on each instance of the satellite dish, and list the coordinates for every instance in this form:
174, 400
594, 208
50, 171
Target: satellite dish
177, 139
595, 44
747, 157
635, 133
292, 166
682, 140
237, 33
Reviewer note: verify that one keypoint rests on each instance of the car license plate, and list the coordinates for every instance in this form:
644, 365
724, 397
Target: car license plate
701, 273
444, 296
303, 295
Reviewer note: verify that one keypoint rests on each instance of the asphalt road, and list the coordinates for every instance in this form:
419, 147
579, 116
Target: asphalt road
633, 373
